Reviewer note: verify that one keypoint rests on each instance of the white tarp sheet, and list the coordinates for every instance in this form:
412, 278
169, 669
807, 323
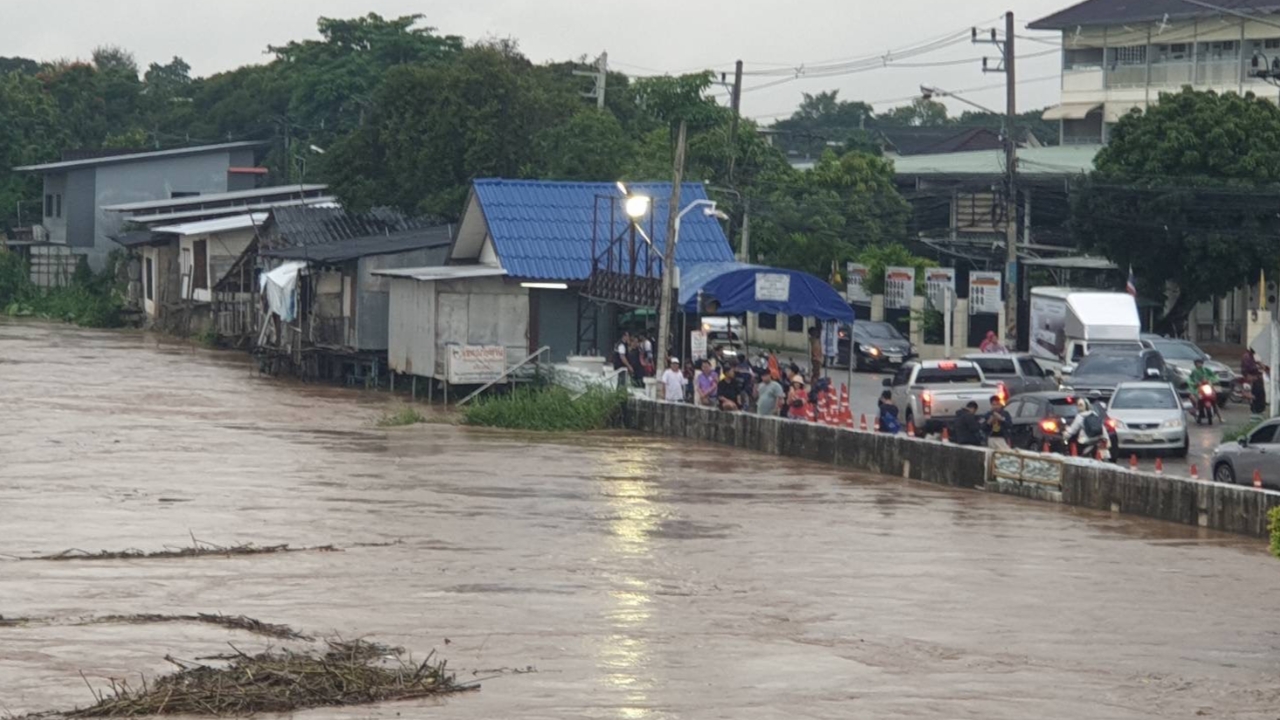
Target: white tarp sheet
281, 288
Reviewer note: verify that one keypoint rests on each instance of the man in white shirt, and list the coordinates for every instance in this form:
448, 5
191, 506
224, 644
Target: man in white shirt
673, 382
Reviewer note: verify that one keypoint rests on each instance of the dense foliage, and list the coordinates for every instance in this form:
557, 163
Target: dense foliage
90, 300
404, 115
1184, 194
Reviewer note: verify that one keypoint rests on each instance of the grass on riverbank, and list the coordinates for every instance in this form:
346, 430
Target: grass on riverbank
89, 300
1273, 524
402, 417
547, 409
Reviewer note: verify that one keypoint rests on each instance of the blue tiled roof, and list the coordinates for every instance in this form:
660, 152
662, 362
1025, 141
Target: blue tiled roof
542, 229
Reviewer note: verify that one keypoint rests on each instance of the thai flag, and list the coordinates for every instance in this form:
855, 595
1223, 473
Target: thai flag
1131, 286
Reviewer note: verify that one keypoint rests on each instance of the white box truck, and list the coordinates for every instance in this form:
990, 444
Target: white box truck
1066, 323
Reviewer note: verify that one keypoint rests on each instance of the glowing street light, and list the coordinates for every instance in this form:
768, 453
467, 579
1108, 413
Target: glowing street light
637, 206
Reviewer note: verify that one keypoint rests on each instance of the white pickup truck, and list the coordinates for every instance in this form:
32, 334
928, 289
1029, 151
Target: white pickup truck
929, 393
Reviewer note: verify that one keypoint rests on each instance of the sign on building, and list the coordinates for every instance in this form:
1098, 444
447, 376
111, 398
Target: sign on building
830, 338
697, 344
773, 287
476, 364
984, 292
938, 282
856, 283
899, 287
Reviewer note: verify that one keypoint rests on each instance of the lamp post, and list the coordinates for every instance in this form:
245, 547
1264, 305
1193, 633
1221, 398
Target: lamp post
637, 206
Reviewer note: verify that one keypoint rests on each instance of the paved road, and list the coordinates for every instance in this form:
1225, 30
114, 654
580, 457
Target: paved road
867, 386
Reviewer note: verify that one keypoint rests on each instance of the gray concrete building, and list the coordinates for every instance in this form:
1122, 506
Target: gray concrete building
77, 191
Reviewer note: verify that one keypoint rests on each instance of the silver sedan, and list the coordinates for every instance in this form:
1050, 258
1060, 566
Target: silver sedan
1259, 451
1146, 416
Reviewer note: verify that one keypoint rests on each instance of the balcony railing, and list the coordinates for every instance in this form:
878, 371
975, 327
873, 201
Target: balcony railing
1176, 74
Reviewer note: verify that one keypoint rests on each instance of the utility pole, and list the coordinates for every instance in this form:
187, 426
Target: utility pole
746, 229
665, 301
1007, 66
601, 77
736, 104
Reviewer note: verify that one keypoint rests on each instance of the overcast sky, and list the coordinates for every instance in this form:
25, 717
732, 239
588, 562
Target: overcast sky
652, 37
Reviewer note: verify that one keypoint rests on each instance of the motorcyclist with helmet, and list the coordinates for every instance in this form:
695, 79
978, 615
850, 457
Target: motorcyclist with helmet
1206, 407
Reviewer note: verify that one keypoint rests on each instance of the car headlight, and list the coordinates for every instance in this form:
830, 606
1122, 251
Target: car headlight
872, 351
1115, 424
1174, 423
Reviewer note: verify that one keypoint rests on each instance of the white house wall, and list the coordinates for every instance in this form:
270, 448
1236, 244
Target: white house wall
426, 317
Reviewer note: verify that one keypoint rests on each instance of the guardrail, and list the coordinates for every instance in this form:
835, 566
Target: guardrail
507, 373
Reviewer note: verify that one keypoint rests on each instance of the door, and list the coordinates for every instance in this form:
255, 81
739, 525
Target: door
200, 273
1028, 417
1261, 454
1014, 433
1034, 376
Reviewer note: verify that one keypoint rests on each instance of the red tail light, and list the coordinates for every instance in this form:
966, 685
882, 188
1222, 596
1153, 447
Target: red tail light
1002, 392
1110, 423
926, 403
1049, 426
946, 365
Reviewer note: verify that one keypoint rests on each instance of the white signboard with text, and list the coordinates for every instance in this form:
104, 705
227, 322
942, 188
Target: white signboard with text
773, 287
697, 344
899, 287
938, 282
856, 283
476, 364
984, 292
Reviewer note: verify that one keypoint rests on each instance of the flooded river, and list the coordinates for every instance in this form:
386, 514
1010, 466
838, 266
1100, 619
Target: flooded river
622, 577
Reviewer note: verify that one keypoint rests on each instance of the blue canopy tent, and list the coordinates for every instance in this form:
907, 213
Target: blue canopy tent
741, 288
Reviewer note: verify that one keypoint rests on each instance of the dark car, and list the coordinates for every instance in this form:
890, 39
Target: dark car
1038, 418
875, 346
1102, 370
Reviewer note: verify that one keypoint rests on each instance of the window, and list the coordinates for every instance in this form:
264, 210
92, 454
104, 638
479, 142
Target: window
182, 194
767, 321
1014, 407
1132, 55
795, 323
148, 279
995, 366
1031, 409
1030, 368
200, 273
1264, 435
1271, 43
57, 205
903, 375
48, 206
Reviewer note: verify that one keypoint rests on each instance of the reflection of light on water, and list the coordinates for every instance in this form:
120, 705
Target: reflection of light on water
624, 655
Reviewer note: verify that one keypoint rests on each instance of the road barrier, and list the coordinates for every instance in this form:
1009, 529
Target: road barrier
1072, 481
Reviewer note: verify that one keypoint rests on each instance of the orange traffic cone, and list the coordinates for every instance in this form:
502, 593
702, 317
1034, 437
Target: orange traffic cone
1257, 479
863, 425
911, 428
1195, 474
1159, 466
846, 415
1075, 450
1133, 461
1046, 447
946, 435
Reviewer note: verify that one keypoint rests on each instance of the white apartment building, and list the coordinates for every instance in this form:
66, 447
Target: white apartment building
1121, 54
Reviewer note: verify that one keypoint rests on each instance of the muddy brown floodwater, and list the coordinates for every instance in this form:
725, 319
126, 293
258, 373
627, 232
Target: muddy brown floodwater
636, 578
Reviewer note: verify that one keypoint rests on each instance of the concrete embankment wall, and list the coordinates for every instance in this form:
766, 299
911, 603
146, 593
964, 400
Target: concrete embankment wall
1100, 486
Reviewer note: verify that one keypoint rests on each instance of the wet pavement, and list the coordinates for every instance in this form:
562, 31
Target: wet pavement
631, 577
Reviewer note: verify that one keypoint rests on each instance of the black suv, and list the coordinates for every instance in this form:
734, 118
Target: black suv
1098, 373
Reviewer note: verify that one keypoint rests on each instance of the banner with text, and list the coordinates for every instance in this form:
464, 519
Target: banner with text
899, 287
938, 282
856, 283
476, 364
984, 292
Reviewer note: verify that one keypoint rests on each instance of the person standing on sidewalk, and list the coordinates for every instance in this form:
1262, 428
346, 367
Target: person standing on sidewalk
673, 382
770, 395
996, 425
815, 353
705, 387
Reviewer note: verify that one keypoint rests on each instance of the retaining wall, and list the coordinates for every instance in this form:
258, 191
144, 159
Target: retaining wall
1100, 486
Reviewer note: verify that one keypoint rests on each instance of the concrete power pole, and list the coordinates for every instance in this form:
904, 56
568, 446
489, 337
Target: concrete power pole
736, 105
601, 77
1007, 66
666, 300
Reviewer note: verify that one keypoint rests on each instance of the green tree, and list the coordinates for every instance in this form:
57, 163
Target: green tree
435, 128
30, 133
920, 113
892, 255
1183, 194
592, 145
813, 219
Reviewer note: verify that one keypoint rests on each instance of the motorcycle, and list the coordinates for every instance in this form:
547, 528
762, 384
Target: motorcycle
1206, 403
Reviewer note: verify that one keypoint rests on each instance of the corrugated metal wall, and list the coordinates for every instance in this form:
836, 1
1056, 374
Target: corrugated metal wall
424, 317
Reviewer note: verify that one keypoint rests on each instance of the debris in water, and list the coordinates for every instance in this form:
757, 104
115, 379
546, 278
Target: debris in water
198, 548
233, 622
348, 673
